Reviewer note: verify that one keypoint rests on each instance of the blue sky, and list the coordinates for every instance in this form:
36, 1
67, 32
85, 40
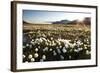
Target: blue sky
37, 16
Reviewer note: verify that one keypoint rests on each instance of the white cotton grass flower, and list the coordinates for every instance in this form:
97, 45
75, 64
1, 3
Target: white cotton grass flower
87, 52
76, 50
50, 44
73, 45
61, 57
39, 47
66, 45
44, 39
24, 56
30, 56
48, 40
36, 49
40, 40
54, 53
51, 38
60, 46
66, 42
53, 43
38, 31
36, 55
27, 45
70, 57
59, 43
30, 46
80, 49
58, 50
30, 32
32, 40
44, 57
79, 42
59, 39
89, 45
46, 43
26, 61
85, 47
36, 39
32, 59
71, 50
45, 49
64, 50
49, 33
38, 43
43, 35
87, 40
50, 49
57, 47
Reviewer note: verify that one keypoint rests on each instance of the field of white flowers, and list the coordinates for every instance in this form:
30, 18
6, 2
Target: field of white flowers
46, 45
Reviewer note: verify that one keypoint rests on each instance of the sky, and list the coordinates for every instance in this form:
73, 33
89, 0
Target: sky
37, 16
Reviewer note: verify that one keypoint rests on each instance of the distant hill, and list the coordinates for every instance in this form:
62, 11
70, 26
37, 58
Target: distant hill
61, 22
25, 22
86, 21
66, 22
73, 22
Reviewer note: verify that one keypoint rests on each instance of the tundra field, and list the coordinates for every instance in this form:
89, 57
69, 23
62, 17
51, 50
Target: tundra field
56, 42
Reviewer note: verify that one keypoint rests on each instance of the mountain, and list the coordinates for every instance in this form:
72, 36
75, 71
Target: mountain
86, 21
73, 22
61, 22
25, 22
66, 22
